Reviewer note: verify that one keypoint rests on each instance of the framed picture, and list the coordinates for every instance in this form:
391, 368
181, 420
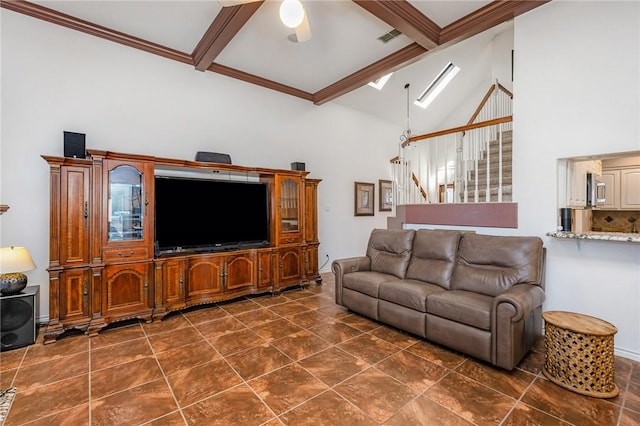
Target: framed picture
386, 195
364, 199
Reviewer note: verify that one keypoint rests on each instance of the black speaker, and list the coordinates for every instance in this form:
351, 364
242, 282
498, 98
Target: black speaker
18, 318
74, 145
565, 219
213, 157
297, 166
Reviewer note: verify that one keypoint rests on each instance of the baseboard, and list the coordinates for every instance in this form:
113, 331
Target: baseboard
635, 356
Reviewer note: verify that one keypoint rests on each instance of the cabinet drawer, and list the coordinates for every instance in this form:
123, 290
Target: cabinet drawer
290, 239
125, 254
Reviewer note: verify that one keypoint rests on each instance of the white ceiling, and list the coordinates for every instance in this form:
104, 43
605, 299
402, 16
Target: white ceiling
344, 41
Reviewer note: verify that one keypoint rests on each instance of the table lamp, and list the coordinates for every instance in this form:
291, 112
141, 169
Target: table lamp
13, 262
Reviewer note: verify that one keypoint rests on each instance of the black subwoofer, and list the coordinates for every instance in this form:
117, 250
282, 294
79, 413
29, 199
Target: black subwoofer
18, 318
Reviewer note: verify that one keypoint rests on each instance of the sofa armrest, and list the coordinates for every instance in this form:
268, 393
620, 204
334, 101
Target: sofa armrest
523, 297
340, 267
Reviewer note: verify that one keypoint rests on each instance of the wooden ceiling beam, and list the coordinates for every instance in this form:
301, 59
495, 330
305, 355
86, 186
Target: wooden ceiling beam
486, 17
359, 78
404, 17
254, 79
221, 31
55, 17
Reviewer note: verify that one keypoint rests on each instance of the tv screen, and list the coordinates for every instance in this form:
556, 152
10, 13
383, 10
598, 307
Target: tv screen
196, 215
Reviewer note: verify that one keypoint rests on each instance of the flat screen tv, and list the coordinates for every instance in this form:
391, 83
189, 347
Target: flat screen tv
202, 215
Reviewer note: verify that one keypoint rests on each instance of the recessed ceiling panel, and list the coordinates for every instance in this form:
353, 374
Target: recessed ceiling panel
343, 40
175, 24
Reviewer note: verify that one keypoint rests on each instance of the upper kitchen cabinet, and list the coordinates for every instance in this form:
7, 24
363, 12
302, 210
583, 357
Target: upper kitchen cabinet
622, 176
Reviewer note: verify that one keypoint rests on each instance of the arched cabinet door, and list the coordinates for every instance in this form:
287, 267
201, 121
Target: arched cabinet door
128, 290
289, 209
127, 232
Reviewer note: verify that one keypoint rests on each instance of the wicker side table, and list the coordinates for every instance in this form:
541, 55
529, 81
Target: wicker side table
579, 353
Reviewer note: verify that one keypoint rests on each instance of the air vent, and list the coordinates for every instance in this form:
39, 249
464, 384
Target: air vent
385, 38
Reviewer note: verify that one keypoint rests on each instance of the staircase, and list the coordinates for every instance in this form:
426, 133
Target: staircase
493, 163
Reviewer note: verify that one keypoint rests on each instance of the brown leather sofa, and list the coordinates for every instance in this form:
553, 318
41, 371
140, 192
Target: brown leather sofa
478, 294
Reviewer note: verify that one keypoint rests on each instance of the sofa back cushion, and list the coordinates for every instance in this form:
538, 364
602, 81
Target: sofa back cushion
433, 256
390, 250
490, 264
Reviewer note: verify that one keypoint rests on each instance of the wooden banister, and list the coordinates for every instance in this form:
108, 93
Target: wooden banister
459, 129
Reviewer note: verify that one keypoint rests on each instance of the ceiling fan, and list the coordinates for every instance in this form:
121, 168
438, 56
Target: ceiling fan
292, 15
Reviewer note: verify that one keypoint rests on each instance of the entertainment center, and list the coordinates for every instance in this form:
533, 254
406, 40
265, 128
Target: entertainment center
136, 236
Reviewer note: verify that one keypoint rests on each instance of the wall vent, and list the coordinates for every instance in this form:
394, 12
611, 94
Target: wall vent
387, 37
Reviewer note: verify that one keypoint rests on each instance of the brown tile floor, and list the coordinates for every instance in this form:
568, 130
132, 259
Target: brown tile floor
296, 358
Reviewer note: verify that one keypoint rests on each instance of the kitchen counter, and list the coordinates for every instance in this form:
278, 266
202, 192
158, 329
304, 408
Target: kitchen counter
599, 236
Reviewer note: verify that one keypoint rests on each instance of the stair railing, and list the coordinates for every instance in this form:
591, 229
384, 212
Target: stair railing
427, 164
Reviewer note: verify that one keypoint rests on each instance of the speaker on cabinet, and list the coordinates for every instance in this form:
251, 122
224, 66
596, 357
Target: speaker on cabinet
297, 166
213, 157
74, 145
18, 318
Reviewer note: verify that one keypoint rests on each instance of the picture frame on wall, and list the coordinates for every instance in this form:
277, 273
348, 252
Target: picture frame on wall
385, 188
364, 197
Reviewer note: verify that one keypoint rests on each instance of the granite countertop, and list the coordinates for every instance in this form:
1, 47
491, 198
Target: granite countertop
600, 236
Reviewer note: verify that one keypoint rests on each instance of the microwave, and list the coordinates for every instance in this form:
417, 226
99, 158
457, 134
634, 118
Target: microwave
596, 190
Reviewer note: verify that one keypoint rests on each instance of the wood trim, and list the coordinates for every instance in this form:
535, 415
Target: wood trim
491, 215
400, 13
3, 208
404, 17
254, 79
486, 98
459, 129
489, 16
55, 17
369, 73
221, 31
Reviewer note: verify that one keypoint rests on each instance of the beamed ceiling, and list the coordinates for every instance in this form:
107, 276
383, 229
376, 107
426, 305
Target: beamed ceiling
249, 43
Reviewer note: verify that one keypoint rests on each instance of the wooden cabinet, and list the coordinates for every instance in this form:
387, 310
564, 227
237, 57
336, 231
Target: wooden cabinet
170, 273
289, 214
630, 189
127, 222
74, 215
126, 292
102, 264
74, 296
289, 261
265, 268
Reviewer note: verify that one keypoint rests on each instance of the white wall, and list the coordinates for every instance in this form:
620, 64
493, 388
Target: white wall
125, 100
576, 92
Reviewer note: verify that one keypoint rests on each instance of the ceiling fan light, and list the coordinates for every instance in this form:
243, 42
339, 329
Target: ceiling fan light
291, 13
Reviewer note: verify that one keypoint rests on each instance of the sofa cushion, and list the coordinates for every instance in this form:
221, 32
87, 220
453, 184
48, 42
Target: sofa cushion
366, 282
433, 256
408, 293
462, 306
390, 250
489, 265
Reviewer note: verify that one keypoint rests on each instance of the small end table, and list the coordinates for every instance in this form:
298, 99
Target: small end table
579, 353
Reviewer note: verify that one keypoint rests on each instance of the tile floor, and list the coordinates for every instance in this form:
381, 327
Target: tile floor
295, 358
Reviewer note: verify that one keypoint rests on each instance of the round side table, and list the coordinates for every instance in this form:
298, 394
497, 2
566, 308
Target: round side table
579, 353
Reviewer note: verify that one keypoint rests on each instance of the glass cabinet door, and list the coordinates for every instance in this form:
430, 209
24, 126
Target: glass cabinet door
125, 213
289, 208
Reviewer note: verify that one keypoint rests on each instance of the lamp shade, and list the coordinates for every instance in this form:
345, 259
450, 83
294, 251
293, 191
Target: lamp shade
15, 259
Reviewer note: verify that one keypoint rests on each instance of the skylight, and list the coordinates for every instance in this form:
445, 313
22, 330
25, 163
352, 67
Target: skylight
437, 85
379, 83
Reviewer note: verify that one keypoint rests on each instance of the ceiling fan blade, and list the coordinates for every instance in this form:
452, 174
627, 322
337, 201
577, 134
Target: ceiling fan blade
303, 31
228, 3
